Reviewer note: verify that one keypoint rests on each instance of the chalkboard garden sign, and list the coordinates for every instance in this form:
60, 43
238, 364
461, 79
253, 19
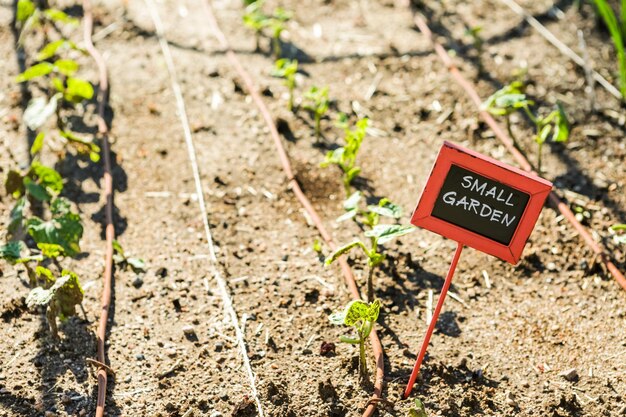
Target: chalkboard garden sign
481, 202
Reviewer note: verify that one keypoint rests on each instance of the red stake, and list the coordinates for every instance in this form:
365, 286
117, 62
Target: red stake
433, 321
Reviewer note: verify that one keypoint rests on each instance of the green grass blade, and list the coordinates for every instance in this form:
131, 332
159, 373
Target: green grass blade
615, 29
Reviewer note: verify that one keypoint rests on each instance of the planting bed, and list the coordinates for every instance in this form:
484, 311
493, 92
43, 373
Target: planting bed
546, 338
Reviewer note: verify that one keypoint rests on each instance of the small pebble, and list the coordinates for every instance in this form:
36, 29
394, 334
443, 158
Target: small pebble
140, 357
189, 330
570, 375
138, 282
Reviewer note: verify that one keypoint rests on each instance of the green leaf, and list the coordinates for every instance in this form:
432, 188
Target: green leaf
343, 249
356, 311
17, 216
39, 110
561, 125
69, 295
254, 17
387, 232
83, 146
285, 68
49, 50
25, 9
14, 184
58, 84
50, 250
137, 264
610, 20
64, 229
543, 134
37, 70
65, 293
39, 296
418, 410
37, 191
78, 90
59, 16
67, 67
352, 202
46, 273
387, 209
511, 100
12, 251
117, 247
47, 177
60, 206
352, 173
347, 215
37, 144
332, 157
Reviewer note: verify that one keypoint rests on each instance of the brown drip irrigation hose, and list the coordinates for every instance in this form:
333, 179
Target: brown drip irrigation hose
103, 131
521, 160
295, 187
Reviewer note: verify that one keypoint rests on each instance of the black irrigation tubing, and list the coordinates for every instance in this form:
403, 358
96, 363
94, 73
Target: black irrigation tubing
302, 198
103, 132
554, 199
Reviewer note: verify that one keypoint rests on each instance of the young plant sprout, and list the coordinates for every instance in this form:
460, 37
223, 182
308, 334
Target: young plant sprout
617, 29
378, 234
477, 41
345, 156
277, 26
418, 409
555, 126
287, 69
507, 101
361, 316
257, 20
317, 103
60, 296
511, 98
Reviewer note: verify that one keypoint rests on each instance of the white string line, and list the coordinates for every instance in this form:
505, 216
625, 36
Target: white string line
565, 50
182, 112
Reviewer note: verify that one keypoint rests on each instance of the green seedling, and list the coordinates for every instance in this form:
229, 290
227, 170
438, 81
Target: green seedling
511, 98
507, 101
378, 234
59, 236
345, 157
277, 26
317, 103
361, 316
554, 126
28, 17
136, 264
255, 19
617, 28
477, 41
40, 182
418, 409
287, 69
619, 233
59, 295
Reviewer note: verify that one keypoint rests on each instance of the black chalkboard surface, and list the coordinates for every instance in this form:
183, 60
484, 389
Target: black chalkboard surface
480, 204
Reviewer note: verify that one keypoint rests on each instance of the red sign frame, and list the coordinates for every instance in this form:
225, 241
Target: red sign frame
537, 188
